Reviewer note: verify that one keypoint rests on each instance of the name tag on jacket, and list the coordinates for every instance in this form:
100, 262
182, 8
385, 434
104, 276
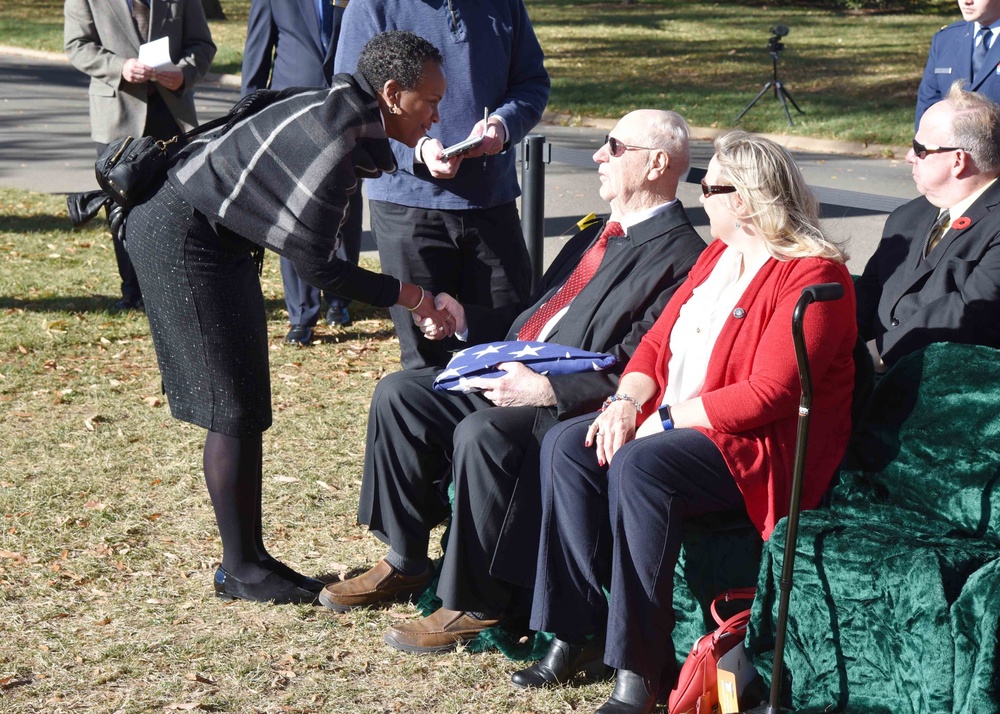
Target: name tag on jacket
942, 70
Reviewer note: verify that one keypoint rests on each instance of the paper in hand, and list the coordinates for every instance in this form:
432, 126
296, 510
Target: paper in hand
156, 54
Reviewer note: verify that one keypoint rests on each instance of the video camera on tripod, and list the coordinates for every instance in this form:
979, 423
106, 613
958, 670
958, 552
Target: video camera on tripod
775, 45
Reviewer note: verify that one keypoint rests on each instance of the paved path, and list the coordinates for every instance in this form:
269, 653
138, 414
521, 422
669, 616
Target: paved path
45, 146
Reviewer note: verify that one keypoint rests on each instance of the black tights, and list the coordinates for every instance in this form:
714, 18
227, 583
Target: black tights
233, 474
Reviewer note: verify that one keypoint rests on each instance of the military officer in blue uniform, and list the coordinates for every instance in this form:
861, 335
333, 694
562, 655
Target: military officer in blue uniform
965, 50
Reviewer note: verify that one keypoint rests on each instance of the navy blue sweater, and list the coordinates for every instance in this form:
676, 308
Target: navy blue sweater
491, 59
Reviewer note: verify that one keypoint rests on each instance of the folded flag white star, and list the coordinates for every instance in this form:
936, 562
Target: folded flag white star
542, 357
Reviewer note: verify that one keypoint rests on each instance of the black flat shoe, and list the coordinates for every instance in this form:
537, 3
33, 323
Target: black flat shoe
273, 588
632, 695
561, 663
296, 578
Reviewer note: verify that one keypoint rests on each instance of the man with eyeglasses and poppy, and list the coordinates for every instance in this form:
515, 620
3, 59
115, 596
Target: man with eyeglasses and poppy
935, 275
601, 294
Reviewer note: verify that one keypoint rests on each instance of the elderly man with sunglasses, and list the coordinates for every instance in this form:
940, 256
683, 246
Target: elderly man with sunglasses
935, 276
601, 293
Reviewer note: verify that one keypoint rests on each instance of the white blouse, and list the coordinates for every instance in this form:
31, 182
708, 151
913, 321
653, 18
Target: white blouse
700, 321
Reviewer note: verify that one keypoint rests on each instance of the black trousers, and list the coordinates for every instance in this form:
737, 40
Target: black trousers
477, 256
160, 124
420, 442
302, 300
619, 529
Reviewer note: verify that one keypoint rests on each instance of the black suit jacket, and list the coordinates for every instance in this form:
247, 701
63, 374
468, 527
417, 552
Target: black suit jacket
906, 301
284, 48
638, 274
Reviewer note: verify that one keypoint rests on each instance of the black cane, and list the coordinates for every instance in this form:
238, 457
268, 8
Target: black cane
811, 294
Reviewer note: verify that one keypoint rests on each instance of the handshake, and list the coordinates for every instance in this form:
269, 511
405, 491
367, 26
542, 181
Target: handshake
445, 318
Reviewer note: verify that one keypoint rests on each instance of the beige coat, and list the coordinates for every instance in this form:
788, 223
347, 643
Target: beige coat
100, 36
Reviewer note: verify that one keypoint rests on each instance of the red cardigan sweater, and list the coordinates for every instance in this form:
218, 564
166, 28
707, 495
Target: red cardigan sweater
752, 388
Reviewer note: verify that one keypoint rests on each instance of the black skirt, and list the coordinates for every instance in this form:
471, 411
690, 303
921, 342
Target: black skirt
206, 314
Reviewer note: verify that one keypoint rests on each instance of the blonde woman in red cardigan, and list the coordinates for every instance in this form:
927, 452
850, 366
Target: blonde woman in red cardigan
704, 420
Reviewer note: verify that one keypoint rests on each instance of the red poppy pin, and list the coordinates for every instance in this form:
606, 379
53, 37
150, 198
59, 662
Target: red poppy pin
960, 224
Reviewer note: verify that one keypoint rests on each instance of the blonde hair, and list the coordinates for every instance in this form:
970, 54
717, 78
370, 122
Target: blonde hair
782, 207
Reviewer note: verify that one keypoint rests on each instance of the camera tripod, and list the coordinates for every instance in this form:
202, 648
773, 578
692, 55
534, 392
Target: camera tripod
779, 89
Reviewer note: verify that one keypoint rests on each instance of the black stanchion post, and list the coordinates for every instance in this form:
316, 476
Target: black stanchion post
533, 159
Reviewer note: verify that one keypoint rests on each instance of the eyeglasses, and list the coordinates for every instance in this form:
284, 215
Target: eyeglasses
921, 150
707, 190
618, 148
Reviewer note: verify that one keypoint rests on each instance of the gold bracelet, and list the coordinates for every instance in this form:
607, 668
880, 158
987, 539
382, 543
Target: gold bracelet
419, 302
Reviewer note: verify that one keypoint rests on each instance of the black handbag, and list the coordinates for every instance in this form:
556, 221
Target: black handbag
128, 166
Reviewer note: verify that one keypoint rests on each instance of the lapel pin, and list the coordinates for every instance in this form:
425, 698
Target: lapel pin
739, 313
960, 224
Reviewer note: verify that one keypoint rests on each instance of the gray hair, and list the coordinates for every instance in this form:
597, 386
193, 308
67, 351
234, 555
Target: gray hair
975, 127
781, 205
398, 55
668, 131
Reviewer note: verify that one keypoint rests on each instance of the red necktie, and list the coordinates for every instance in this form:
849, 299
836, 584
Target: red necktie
580, 276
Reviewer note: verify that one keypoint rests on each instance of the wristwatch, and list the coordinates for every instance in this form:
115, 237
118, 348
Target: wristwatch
665, 417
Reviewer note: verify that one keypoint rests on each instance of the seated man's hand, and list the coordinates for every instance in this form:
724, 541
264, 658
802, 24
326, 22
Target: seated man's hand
435, 324
136, 72
453, 307
520, 387
170, 80
430, 155
493, 135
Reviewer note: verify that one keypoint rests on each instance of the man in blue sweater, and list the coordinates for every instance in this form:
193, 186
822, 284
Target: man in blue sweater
451, 225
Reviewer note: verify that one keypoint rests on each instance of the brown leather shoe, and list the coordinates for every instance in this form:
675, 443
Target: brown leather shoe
379, 584
441, 631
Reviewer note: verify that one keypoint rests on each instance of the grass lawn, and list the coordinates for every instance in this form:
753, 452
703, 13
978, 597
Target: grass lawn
854, 74
107, 538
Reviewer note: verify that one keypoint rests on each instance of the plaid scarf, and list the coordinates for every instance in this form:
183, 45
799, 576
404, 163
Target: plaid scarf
281, 178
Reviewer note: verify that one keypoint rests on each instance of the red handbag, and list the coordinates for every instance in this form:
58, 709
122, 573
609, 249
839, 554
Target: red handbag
696, 691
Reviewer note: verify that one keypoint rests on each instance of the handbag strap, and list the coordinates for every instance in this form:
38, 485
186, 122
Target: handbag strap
733, 594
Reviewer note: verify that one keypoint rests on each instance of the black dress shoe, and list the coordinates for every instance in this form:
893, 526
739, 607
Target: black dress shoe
561, 663
632, 695
274, 588
338, 315
299, 335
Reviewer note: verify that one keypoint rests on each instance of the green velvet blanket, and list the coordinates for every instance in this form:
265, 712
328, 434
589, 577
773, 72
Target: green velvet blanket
895, 603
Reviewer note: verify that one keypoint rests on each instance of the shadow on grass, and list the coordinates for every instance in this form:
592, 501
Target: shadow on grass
41, 223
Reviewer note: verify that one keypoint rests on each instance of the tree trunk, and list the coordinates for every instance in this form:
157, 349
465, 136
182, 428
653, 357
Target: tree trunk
213, 9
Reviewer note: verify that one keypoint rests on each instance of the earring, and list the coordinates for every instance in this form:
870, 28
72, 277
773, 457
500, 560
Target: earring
737, 225
392, 108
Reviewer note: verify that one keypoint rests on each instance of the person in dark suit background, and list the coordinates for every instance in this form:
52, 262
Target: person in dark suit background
965, 50
292, 43
487, 444
128, 98
935, 275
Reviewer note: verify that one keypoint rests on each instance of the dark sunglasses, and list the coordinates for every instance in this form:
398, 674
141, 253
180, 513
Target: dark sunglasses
707, 190
618, 148
921, 150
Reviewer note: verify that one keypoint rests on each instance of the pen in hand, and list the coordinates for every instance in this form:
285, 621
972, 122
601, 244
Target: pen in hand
486, 124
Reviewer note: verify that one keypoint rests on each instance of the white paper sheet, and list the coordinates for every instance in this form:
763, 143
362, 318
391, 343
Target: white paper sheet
156, 54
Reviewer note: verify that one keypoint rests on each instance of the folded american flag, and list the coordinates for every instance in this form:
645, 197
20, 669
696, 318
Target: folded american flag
542, 357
